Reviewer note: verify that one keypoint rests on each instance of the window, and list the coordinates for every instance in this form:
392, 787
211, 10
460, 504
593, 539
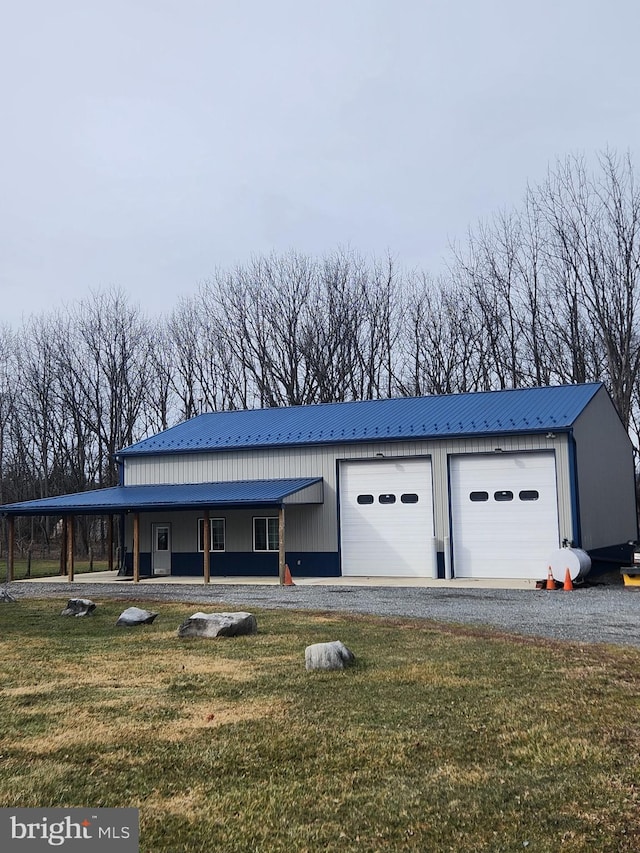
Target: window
387, 499
409, 498
265, 534
529, 495
216, 534
365, 499
479, 496
504, 495
162, 538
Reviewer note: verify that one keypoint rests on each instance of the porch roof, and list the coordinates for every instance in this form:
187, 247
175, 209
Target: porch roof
240, 493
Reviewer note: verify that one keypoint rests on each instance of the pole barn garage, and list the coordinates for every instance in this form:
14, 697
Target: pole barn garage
478, 485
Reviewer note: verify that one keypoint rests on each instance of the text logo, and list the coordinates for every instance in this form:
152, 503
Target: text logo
70, 830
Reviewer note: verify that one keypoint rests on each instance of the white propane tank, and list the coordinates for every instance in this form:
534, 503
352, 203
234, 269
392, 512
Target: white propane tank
575, 559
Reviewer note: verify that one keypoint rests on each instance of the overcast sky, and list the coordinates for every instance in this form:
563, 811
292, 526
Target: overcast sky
145, 143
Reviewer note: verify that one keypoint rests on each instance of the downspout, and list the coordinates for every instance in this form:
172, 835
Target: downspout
122, 525
70, 547
576, 530
206, 546
122, 549
281, 546
136, 547
10, 547
634, 455
120, 466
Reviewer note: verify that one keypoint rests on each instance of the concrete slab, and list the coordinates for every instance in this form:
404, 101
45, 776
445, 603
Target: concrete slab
455, 583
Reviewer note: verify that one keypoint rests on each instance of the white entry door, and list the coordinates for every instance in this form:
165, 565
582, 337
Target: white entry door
161, 549
504, 514
386, 518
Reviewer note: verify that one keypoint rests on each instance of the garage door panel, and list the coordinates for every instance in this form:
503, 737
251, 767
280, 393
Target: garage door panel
503, 537
392, 533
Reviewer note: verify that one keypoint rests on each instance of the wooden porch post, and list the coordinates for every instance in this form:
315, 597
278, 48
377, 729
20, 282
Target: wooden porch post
206, 546
110, 544
70, 563
63, 546
281, 548
136, 547
11, 538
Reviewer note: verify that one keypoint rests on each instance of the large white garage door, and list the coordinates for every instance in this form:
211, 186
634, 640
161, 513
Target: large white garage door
504, 514
386, 518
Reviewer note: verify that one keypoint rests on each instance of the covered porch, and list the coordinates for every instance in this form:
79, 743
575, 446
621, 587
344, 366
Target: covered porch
131, 502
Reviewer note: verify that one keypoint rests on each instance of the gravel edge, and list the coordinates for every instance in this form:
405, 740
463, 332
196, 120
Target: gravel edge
598, 614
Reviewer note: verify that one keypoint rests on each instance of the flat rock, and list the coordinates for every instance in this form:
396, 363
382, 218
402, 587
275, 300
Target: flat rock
333, 655
78, 607
218, 625
136, 616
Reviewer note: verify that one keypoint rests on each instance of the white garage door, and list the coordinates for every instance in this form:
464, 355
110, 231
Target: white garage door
504, 514
386, 518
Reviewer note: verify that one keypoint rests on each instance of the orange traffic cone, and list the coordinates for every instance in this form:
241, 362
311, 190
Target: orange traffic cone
568, 583
551, 584
288, 580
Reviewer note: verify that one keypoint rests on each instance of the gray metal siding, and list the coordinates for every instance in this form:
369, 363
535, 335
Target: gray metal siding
315, 528
606, 486
184, 529
313, 494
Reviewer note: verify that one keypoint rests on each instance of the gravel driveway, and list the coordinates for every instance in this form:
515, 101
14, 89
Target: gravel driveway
597, 614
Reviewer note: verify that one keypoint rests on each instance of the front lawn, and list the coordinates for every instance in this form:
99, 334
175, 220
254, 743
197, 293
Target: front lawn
438, 739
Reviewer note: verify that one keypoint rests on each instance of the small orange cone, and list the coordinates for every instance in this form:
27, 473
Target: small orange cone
288, 580
568, 583
551, 584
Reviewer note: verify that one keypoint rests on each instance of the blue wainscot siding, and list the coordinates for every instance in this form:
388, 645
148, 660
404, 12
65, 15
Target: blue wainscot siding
323, 564
145, 564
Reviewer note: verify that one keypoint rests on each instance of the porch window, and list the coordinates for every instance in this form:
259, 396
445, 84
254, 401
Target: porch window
216, 532
265, 534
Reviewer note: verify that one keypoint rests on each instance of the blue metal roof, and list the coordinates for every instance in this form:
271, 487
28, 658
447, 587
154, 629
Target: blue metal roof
158, 497
523, 410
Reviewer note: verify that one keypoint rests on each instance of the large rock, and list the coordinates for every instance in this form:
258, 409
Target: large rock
136, 616
333, 655
78, 607
6, 597
218, 625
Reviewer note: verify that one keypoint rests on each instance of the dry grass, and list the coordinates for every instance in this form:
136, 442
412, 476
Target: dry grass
438, 739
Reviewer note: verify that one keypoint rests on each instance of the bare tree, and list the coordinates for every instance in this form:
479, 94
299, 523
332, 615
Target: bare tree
330, 332
7, 413
262, 313
593, 236
379, 305
161, 405
441, 345
105, 361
